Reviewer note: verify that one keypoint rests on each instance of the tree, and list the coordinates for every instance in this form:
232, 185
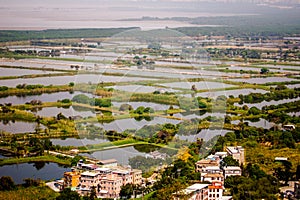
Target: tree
68, 194
76, 159
6, 183
194, 88
283, 171
93, 194
229, 161
227, 119
286, 140
125, 107
127, 191
32, 182
254, 111
47, 144
81, 98
298, 172
140, 110
264, 70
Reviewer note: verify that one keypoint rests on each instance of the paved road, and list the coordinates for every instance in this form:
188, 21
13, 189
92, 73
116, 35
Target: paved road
52, 186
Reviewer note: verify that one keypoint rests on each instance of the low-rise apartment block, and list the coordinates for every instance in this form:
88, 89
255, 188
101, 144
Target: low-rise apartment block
232, 171
237, 153
201, 165
106, 181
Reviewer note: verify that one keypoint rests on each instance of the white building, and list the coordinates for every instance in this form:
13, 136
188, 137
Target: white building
88, 180
212, 170
215, 191
221, 154
195, 192
213, 178
204, 163
199, 191
237, 153
232, 171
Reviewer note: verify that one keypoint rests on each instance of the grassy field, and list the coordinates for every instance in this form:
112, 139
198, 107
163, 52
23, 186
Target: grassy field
45, 158
264, 156
31, 193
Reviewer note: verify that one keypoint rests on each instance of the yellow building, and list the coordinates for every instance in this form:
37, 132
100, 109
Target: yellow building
71, 179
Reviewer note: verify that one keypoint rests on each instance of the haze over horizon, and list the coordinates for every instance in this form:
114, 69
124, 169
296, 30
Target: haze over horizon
105, 14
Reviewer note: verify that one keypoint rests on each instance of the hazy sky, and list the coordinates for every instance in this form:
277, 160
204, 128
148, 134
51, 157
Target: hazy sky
37, 14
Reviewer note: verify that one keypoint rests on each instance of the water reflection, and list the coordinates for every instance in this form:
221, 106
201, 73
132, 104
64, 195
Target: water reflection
120, 154
45, 97
20, 127
205, 134
76, 142
44, 171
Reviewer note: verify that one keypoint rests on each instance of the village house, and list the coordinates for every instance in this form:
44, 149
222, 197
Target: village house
108, 163
110, 185
107, 181
88, 180
212, 170
71, 179
195, 192
237, 153
213, 178
215, 191
232, 171
199, 191
202, 164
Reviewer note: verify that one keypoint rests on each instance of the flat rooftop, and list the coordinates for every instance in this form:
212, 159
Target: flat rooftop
87, 173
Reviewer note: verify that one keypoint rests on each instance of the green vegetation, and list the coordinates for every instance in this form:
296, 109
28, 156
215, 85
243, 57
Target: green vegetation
45, 158
81, 98
23, 89
59, 34
261, 176
29, 193
254, 184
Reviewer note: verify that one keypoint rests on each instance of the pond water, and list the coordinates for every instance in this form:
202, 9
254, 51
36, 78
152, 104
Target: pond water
199, 85
45, 97
41, 170
202, 73
227, 93
152, 73
53, 111
64, 80
65, 65
206, 134
39, 63
198, 116
2, 156
76, 142
249, 68
262, 123
21, 72
297, 114
19, 127
264, 80
266, 103
283, 67
179, 64
120, 154
293, 86
123, 124
141, 88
